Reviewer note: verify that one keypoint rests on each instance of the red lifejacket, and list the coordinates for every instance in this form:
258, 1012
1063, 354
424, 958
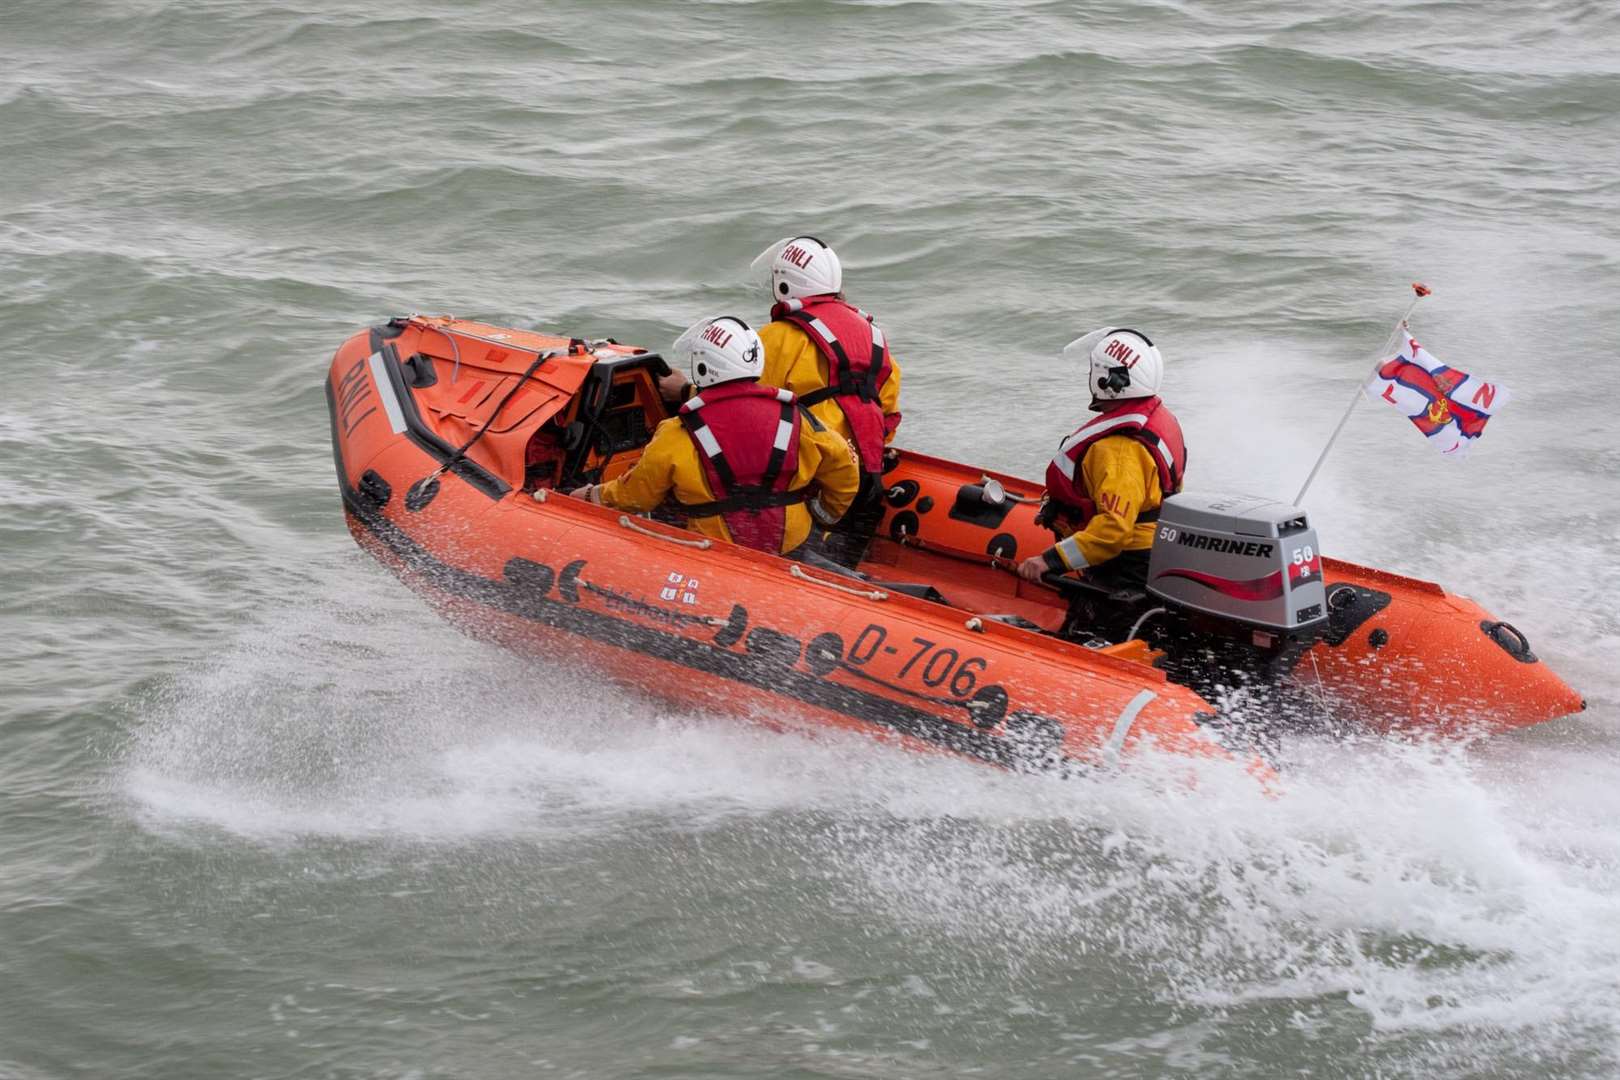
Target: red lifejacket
1146, 420
747, 438
858, 365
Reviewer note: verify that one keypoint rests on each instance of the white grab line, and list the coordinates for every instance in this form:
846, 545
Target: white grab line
703, 545
870, 594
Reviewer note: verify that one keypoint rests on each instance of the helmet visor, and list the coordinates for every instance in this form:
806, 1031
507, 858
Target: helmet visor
760, 269
685, 345
1079, 350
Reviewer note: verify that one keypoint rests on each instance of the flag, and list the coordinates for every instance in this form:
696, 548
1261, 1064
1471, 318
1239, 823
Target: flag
1448, 406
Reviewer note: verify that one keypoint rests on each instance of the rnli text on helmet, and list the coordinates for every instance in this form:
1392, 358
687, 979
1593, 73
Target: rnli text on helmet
717, 335
1122, 352
796, 255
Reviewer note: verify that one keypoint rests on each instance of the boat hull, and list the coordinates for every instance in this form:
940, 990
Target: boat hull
717, 626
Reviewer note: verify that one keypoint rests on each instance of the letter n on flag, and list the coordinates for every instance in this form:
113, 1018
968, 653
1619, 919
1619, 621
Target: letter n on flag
1448, 406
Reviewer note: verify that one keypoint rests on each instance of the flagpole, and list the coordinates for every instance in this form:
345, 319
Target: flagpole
1421, 291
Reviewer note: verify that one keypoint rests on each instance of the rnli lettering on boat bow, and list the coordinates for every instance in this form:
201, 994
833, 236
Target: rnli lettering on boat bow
1251, 548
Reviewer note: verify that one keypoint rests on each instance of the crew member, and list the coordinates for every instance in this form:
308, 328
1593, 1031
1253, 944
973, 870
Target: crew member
1108, 480
805, 280
836, 359
744, 462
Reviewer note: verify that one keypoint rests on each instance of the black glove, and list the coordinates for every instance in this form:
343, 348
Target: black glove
1045, 512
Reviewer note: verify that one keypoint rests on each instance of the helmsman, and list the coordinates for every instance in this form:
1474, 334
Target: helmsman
741, 461
1108, 479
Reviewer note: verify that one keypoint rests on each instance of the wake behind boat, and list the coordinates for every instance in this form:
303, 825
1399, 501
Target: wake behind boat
455, 440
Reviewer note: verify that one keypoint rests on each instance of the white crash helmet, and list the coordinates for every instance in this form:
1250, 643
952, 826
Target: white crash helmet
797, 266
1120, 363
719, 349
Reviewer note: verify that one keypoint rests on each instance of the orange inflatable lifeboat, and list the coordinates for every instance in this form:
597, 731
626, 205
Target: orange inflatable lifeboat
454, 440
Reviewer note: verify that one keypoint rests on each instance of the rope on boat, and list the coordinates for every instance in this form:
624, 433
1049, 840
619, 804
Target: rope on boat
455, 348
1146, 615
868, 594
460, 453
701, 545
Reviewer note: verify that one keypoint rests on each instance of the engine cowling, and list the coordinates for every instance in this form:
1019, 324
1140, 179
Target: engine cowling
1244, 558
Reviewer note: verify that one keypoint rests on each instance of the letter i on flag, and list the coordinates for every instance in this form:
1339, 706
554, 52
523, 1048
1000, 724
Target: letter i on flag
1449, 406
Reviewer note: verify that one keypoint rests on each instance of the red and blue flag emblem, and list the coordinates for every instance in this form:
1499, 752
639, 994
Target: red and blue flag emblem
1448, 406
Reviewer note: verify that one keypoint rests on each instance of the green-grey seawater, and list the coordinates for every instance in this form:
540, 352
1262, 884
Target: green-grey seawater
263, 815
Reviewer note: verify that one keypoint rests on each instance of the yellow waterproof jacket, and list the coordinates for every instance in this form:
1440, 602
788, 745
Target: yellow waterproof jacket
1124, 482
671, 465
792, 362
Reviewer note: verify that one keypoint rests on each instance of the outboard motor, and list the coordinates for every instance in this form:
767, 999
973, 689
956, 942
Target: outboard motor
1241, 578
1250, 560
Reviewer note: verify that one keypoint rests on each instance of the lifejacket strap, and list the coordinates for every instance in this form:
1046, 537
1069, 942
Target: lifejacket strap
869, 383
818, 329
748, 499
710, 446
865, 390
779, 446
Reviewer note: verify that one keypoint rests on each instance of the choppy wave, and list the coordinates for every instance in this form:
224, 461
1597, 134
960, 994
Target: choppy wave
1440, 900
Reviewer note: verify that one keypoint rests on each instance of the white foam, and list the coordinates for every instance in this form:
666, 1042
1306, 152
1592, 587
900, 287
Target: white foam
1432, 887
